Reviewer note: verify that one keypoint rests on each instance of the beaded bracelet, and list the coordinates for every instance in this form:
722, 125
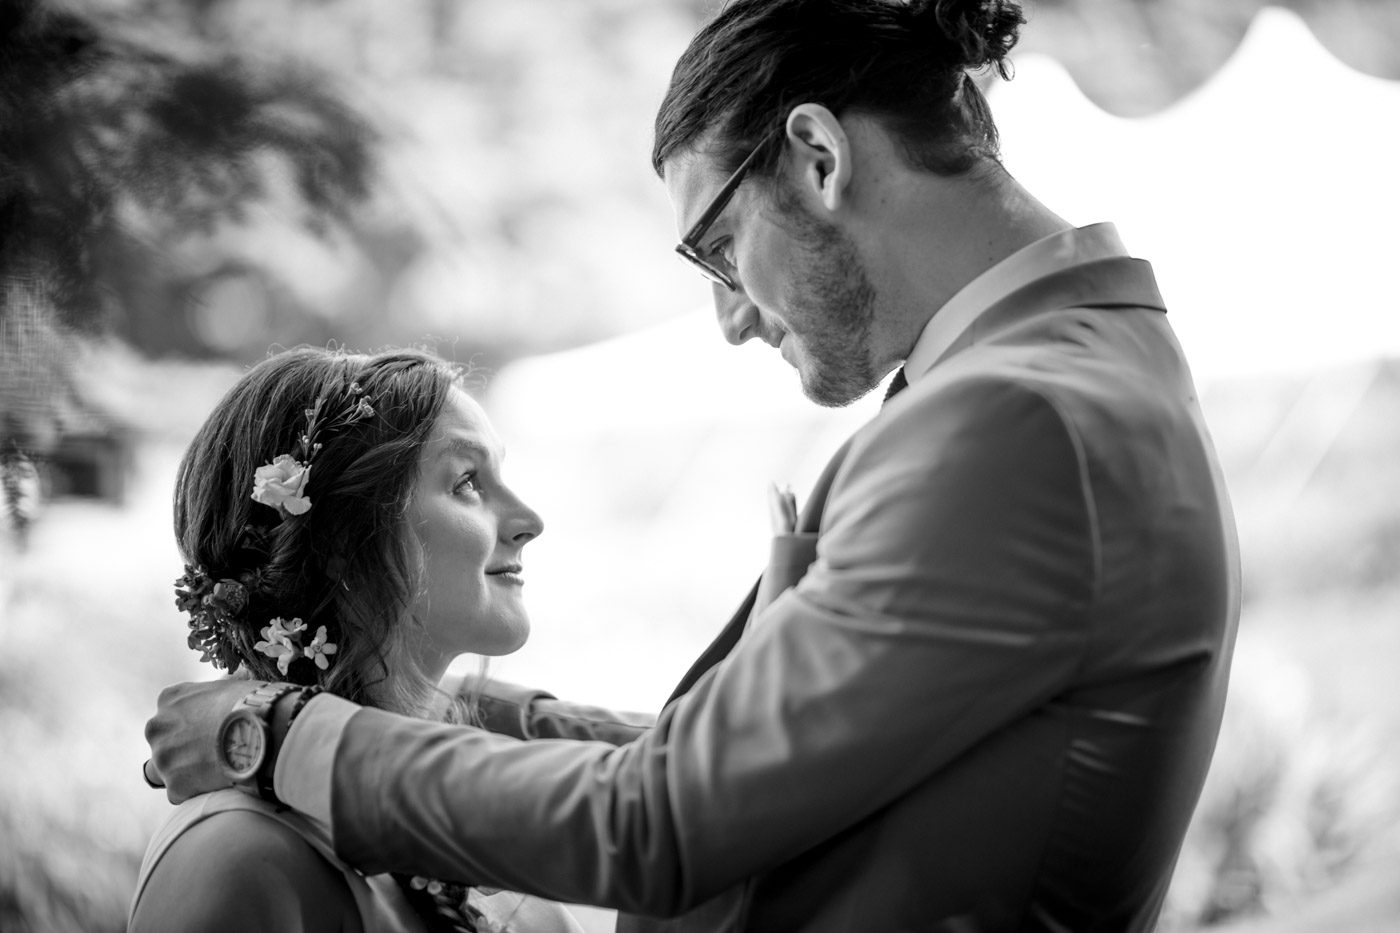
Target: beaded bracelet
279, 729
306, 694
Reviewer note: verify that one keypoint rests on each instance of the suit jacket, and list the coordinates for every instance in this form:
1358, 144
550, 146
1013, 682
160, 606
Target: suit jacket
988, 705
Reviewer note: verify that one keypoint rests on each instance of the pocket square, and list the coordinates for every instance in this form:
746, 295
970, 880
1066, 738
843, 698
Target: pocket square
788, 559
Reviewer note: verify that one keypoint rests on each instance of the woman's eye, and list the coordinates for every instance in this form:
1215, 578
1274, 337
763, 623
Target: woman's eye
466, 483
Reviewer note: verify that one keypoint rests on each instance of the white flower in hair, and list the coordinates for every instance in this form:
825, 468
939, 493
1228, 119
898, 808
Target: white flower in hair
288, 629
277, 641
319, 649
280, 484
282, 640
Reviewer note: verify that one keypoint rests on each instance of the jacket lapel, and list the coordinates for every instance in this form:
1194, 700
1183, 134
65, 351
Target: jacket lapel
809, 521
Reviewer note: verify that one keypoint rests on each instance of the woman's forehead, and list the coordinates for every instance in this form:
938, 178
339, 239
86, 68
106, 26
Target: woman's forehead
462, 425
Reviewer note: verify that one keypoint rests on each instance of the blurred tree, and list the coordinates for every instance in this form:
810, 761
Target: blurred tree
119, 135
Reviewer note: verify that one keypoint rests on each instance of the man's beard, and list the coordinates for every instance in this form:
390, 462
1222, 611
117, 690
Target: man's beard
833, 293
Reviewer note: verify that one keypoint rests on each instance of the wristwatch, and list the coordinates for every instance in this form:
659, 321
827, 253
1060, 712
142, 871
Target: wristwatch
245, 742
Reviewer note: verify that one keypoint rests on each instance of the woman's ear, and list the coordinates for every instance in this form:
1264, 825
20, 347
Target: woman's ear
820, 154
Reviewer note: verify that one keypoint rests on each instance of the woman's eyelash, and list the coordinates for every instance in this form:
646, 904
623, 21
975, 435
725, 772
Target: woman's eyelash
467, 479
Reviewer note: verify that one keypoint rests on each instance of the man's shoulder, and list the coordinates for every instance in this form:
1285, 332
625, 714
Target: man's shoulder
961, 404
1086, 365
978, 428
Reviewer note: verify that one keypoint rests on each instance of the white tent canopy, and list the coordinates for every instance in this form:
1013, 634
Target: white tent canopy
1267, 201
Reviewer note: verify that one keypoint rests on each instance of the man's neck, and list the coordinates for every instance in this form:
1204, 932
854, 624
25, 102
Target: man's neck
944, 233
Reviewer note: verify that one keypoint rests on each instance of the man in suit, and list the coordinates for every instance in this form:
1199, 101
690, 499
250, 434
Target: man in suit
990, 702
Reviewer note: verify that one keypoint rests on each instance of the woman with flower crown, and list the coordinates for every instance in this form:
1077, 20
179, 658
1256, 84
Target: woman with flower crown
345, 527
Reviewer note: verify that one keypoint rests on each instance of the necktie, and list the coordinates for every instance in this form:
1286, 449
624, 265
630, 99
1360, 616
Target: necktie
897, 385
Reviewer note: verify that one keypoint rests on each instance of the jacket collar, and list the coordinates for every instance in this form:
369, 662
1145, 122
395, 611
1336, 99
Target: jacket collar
1107, 283
1064, 250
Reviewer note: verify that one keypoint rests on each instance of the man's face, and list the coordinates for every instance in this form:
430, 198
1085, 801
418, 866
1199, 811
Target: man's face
801, 284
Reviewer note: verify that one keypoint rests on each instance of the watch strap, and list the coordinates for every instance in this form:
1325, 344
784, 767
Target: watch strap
262, 702
262, 699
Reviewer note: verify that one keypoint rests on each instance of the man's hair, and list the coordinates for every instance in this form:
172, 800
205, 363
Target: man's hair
905, 63
349, 562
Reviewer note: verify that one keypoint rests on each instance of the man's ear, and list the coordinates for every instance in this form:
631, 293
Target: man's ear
820, 154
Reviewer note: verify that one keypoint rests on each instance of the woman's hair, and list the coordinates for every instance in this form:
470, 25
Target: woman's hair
348, 562
903, 61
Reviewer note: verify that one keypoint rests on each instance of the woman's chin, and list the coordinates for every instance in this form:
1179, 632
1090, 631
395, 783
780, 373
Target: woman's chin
506, 638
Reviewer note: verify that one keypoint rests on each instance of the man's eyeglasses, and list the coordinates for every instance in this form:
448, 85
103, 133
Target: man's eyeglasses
689, 246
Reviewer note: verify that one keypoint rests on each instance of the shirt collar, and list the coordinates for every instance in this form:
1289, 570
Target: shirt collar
1054, 253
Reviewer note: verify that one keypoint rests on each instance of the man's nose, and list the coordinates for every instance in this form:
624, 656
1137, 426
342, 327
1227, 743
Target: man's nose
738, 317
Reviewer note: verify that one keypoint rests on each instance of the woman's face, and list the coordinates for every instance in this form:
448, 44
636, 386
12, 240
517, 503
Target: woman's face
471, 529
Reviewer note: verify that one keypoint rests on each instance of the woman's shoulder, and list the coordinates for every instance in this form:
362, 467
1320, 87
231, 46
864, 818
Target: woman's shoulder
242, 869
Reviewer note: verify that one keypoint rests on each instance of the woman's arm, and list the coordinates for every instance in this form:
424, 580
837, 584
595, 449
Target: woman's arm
526, 713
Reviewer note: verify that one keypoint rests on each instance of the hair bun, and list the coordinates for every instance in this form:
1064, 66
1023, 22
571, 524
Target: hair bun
979, 32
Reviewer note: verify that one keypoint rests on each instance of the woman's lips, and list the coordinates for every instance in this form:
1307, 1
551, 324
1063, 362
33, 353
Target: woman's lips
510, 575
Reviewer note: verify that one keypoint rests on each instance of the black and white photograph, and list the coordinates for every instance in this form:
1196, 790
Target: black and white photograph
699, 466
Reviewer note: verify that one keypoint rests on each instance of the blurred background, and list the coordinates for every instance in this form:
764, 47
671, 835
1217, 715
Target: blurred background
186, 185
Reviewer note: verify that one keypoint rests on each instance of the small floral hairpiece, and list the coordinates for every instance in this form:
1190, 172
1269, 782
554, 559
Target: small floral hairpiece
281, 484
214, 607
281, 640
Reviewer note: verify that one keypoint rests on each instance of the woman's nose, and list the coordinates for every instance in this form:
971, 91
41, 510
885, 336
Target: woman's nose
523, 524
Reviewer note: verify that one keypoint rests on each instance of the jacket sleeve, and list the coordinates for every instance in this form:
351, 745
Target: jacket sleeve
949, 597
527, 713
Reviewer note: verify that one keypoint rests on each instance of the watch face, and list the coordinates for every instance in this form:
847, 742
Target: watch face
242, 745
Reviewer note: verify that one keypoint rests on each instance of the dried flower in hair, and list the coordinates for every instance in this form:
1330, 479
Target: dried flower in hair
229, 597
214, 607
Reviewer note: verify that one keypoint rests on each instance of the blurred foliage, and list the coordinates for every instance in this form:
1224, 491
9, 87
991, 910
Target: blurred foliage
119, 139
115, 136
194, 177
